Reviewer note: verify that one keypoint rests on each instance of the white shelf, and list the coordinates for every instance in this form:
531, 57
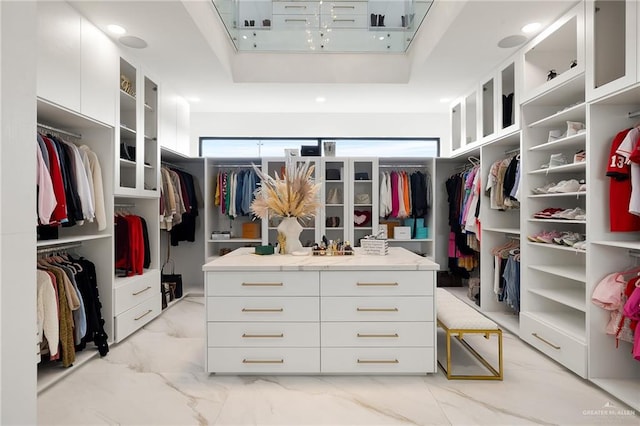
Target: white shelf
512, 231
127, 130
571, 297
362, 205
559, 194
125, 95
569, 323
557, 221
334, 228
147, 274
334, 205
626, 390
574, 141
571, 167
334, 181
148, 166
69, 240
631, 245
148, 107
572, 272
52, 372
508, 320
127, 163
362, 181
573, 113
556, 247
150, 138
236, 240
393, 240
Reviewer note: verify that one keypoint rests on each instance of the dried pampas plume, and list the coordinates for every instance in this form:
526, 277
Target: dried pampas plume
293, 195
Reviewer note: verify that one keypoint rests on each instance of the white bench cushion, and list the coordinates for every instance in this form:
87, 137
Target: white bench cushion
454, 314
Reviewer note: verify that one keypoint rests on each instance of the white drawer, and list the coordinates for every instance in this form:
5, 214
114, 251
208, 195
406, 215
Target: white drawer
561, 347
263, 360
378, 360
282, 22
263, 283
396, 334
345, 21
417, 308
262, 334
128, 292
376, 283
295, 7
287, 309
136, 317
343, 8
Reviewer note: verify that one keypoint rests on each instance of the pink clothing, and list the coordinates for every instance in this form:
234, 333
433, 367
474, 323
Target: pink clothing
632, 311
608, 292
395, 202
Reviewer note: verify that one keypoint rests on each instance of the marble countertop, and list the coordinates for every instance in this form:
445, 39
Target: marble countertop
244, 259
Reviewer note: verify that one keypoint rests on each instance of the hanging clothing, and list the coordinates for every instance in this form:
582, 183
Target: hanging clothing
132, 252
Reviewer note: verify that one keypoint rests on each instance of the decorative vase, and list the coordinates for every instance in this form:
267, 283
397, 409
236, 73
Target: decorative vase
289, 235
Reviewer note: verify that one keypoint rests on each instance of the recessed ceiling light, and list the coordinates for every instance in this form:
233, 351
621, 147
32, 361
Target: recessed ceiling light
445, 100
193, 99
512, 41
116, 29
133, 41
532, 27
320, 99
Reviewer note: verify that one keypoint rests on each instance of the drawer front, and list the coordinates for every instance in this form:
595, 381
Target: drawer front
263, 334
554, 343
418, 308
263, 283
135, 290
295, 8
363, 334
250, 309
136, 317
378, 360
345, 21
295, 21
377, 283
343, 8
263, 360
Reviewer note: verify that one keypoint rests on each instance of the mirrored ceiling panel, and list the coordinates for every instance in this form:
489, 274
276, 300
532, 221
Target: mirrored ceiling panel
317, 26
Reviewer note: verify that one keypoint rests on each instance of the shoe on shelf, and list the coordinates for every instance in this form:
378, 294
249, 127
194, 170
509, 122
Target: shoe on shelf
557, 160
558, 240
546, 213
580, 215
582, 187
534, 237
572, 238
555, 135
563, 186
543, 189
570, 214
573, 127
580, 156
548, 237
580, 245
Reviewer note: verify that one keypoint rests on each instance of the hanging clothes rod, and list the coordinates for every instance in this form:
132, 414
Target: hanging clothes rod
512, 151
400, 166
58, 247
223, 166
56, 130
174, 166
634, 114
634, 253
124, 205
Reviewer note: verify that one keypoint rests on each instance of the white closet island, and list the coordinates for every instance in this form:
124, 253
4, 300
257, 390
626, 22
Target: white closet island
285, 314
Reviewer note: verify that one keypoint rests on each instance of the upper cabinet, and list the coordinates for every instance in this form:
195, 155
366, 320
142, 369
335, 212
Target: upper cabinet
612, 53
556, 55
77, 63
173, 121
137, 152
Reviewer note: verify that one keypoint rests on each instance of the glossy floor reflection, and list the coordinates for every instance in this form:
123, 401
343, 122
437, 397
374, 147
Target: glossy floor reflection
156, 377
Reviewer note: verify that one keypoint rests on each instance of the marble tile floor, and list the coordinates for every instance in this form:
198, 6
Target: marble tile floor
156, 377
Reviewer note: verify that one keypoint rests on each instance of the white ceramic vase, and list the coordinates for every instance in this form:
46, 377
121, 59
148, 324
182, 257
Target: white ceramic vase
290, 228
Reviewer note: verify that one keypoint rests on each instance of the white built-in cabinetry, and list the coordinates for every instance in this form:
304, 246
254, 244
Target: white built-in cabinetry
601, 91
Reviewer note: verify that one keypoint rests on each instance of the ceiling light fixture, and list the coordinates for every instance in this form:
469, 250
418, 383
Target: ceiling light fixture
133, 41
320, 99
532, 27
445, 100
116, 29
512, 41
193, 99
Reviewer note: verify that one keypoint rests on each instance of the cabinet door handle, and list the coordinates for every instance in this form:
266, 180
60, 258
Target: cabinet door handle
143, 315
262, 309
295, 20
377, 309
295, 7
141, 291
262, 284
378, 335
344, 20
262, 335
263, 361
378, 361
344, 7
545, 341
361, 284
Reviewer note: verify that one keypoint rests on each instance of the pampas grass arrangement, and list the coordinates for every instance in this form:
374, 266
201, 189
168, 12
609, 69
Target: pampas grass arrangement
293, 195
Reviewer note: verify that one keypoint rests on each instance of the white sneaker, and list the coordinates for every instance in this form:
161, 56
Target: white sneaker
557, 160
555, 135
573, 127
544, 189
563, 186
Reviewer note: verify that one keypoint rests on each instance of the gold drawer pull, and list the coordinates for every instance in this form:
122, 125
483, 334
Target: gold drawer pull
262, 309
378, 335
144, 315
377, 309
376, 284
545, 341
263, 361
262, 284
295, 20
141, 291
262, 335
344, 7
378, 361
295, 7
344, 20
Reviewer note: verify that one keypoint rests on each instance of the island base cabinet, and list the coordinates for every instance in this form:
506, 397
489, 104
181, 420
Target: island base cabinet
260, 360
397, 360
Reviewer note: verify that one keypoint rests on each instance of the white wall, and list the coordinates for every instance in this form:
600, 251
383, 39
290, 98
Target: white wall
317, 125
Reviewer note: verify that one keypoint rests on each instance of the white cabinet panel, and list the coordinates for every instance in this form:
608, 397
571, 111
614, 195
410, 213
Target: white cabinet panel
168, 120
263, 334
412, 308
377, 360
137, 317
99, 74
58, 68
397, 334
182, 126
134, 290
259, 360
250, 309
378, 283
263, 284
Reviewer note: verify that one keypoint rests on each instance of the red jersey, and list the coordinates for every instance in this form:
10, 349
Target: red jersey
620, 189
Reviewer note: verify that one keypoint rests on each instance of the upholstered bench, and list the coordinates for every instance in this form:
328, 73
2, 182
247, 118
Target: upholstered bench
457, 318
